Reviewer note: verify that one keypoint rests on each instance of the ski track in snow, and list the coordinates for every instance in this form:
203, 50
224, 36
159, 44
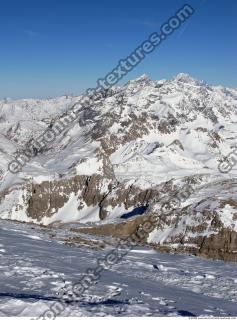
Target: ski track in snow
35, 270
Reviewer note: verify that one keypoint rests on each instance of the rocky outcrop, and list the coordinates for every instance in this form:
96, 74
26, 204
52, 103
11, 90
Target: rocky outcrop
220, 246
188, 230
45, 199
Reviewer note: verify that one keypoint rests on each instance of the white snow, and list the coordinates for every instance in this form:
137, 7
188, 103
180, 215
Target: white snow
70, 212
228, 216
89, 167
37, 271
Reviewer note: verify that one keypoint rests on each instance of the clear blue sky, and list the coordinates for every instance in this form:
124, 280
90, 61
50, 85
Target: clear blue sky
52, 47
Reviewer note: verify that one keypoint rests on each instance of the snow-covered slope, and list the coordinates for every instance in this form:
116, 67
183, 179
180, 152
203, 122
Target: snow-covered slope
140, 142
38, 272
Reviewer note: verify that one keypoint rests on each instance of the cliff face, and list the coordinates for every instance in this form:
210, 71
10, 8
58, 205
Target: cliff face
150, 148
44, 200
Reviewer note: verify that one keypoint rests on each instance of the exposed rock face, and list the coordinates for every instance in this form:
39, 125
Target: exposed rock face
46, 198
49, 196
149, 148
202, 227
220, 246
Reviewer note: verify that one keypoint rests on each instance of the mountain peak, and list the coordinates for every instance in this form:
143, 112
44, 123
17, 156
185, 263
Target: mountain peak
186, 78
143, 78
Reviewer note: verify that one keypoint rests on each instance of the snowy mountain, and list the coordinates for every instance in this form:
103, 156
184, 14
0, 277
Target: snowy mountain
133, 150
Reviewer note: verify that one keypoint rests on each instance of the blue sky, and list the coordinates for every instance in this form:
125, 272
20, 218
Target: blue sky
52, 47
